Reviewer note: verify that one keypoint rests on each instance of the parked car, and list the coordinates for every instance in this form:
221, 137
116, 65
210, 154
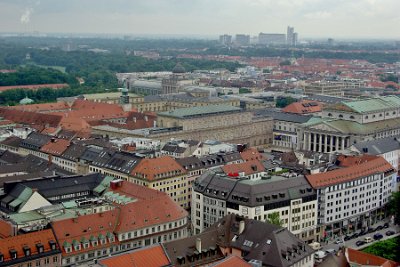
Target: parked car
360, 243
347, 238
390, 232
330, 251
386, 225
355, 235
338, 241
368, 239
378, 236
378, 228
370, 230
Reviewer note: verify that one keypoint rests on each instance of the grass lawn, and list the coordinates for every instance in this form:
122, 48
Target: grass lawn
388, 249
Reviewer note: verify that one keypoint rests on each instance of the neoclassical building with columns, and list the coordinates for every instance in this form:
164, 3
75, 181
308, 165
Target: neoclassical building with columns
350, 122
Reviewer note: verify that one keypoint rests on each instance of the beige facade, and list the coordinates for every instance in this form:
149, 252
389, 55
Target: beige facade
164, 105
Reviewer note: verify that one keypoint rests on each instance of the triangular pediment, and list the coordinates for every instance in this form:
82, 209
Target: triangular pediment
324, 127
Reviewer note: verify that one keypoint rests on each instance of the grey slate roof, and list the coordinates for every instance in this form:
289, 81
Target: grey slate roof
272, 245
57, 185
379, 146
35, 141
272, 192
119, 161
199, 111
74, 152
282, 116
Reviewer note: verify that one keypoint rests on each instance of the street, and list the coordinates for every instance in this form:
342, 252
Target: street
352, 242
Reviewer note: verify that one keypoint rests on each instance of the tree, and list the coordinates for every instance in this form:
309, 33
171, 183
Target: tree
394, 206
274, 218
387, 249
284, 101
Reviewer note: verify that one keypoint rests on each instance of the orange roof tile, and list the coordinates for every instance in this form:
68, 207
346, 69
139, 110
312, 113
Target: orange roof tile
347, 161
248, 167
146, 257
46, 107
232, 261
362, 258
158, 168
55, 147
30, 240
6, 229
140, 214
30, 118
303, 107
350, 173
136, 191
85, 226
251, 154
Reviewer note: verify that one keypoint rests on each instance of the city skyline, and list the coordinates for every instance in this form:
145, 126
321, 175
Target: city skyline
311, 18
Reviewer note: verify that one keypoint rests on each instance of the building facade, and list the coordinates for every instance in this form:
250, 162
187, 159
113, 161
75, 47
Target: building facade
216, 194
352, 197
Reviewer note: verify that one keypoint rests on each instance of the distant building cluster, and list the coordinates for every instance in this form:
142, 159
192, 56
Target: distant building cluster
289, 39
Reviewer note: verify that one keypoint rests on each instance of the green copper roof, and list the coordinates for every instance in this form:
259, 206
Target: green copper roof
199, 111
351, 127
373, 104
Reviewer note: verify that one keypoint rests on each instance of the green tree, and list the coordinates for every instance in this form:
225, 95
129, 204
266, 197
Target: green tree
284, 101
275, 219
394, 206
387, 249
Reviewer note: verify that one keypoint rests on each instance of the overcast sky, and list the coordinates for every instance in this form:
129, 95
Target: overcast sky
311, 18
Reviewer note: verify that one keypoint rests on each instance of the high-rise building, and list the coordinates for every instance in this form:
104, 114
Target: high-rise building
242, 39
291, 37
225, 39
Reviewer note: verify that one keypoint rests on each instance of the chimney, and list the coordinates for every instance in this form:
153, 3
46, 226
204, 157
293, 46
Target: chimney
146, 118
134, 119
198, 244
241, 227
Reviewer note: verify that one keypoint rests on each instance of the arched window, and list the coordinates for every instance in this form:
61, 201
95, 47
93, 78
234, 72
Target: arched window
340, 116
352, 117
329, 114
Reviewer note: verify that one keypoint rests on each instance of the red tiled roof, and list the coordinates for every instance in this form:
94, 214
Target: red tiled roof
362, 258
140, 214
347, 161
232, 261
34, 86
86, 226
30, 240
146, 257
30, 118
6, 229
248, 167
303, 107
158, 168
350, 173
251, 154
46, 107
136, 191
55, 147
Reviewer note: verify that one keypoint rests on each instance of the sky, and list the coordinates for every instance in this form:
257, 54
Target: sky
311, 18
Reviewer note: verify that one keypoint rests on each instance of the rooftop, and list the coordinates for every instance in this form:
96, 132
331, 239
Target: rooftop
199, 111
350, 173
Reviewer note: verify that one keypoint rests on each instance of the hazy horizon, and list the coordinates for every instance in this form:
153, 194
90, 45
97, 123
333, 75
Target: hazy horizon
351, 19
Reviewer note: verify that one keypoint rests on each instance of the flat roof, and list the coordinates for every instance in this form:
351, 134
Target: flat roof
199, 111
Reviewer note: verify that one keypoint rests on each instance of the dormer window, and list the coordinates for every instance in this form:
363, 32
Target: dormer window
27, 251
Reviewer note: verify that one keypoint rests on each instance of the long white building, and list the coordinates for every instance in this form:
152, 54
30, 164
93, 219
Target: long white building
216, 194
352, 197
